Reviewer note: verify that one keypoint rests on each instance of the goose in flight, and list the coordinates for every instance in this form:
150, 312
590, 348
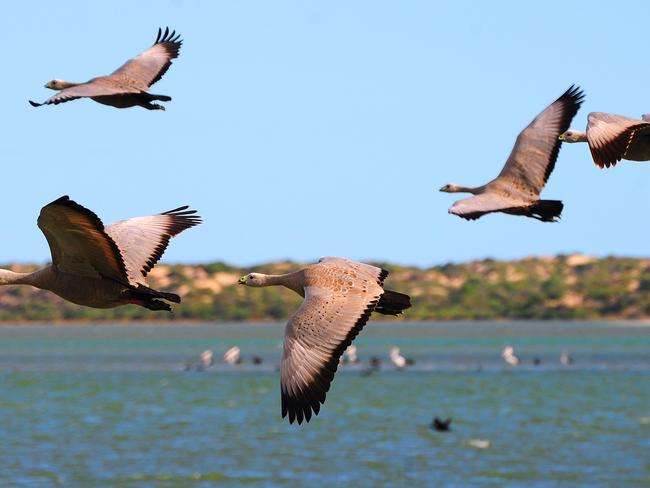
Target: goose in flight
614, 137
103, 267
128, 85
339, 297
517, 188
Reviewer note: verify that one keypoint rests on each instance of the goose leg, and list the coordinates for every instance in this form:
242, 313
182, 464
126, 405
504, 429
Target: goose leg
152, 106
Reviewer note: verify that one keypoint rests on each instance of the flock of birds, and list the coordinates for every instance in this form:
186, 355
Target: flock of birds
106, 266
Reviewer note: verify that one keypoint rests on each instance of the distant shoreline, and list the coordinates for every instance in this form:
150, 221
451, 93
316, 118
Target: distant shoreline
645, 322
561, 288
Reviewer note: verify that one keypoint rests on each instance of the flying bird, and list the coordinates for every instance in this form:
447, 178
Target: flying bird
128, 85
103, 267
517, 189
339, 297
614, 137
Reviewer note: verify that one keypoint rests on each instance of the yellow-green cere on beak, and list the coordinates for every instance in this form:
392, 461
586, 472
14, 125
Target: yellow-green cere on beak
242, 280
48, 84
561, 137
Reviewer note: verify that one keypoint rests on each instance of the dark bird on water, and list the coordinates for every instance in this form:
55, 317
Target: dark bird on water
441, 425
127, 86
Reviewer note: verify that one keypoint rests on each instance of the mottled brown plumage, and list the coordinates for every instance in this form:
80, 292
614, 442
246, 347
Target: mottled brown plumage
340, 295
128, 85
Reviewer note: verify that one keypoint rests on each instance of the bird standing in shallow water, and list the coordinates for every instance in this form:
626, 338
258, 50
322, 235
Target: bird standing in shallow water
339, 297
127, 86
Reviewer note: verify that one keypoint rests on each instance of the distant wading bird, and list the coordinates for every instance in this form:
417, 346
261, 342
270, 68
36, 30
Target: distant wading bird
517, 188
129, 84
339, 297
614, 137
103, 267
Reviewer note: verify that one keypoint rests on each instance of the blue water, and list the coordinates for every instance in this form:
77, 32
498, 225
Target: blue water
95, 406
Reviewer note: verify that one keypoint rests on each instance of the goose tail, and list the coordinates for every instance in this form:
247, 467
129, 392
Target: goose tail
392, 303
162, 98
547, 210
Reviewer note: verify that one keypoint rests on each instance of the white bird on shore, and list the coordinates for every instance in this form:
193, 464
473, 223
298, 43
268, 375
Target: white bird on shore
350, 355
232, 355
396, 358
207, 358
565, 358
508, 354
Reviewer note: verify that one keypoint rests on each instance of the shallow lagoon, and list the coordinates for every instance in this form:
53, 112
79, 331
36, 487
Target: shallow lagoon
112, 406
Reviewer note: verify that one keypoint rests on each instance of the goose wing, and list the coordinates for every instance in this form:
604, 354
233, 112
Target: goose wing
476, 206
149, 66
97, 87
143, 240
339, 298
609, 136
79, 243
533, 157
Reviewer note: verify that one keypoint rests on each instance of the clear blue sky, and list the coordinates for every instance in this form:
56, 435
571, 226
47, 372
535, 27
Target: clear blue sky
302, 129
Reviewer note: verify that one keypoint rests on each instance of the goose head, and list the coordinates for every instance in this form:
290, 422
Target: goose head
55, 84
573, 136
450, 188
251, 279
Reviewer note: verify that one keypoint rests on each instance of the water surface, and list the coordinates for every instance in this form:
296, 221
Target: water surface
113, 406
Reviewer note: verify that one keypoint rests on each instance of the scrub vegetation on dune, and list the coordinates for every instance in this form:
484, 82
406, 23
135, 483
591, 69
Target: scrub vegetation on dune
561, 287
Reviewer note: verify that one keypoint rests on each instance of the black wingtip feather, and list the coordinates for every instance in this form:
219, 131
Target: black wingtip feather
382, 276
571, 101
301, 408
393, 303
34, 104
168, 37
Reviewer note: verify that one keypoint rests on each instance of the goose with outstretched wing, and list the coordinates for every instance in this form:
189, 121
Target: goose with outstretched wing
339, 297
517, 189
127, 86
103, 267
613, 137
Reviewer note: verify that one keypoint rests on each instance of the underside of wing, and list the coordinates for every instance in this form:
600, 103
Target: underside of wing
143, 240
149, 66
79, 243
93, 88
537, 147
476, 206
610, 136
315, 338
